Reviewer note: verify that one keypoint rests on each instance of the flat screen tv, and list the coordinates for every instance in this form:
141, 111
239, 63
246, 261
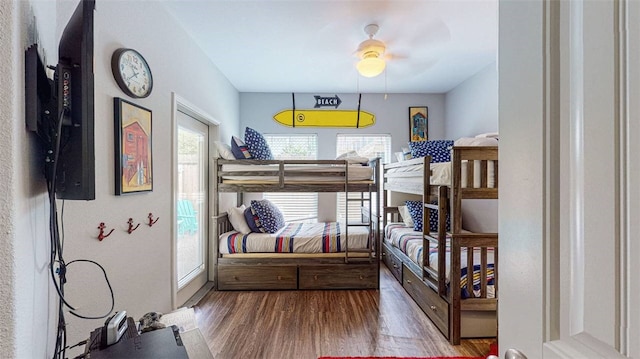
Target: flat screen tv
63, 116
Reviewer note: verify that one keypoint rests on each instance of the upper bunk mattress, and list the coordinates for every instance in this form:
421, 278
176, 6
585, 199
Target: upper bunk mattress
410, 177
329, 237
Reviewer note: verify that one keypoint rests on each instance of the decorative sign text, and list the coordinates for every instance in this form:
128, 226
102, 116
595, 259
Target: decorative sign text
327, 101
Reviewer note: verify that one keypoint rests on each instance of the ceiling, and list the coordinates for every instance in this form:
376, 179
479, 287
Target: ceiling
310, 45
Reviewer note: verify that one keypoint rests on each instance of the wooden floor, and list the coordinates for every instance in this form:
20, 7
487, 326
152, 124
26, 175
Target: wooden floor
310, 324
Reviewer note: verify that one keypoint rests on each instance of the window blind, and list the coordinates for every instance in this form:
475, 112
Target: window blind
301, 207
370, 146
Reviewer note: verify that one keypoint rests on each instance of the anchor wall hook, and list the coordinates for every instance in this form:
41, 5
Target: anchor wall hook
102, 236
131, 227
151, 220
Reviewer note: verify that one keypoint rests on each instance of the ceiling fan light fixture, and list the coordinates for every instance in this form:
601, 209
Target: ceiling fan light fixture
371, 66
370, 52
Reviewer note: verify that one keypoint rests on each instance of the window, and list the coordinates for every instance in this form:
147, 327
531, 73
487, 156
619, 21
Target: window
367, 146
298, 206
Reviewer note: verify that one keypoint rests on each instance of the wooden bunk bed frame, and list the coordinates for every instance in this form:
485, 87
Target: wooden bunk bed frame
351, 269
455, 316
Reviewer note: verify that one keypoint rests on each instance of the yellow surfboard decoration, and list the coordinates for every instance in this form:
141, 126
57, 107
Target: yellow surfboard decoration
325, 118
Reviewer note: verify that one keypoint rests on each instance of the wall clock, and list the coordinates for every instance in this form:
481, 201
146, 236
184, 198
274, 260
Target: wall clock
131, 72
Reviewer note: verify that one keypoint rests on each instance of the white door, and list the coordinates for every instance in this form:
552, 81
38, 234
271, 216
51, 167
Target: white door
569, 175
192, 205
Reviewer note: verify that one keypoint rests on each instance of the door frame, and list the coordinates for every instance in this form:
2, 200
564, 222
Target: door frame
179, 104
567, 74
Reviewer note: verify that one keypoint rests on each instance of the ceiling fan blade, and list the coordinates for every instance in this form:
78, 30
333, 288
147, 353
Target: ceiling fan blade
411, 67
395, 56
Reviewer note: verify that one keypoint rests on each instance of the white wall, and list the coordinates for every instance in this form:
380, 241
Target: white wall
139, 264
392, 115
30, 299
8, 15
472, 106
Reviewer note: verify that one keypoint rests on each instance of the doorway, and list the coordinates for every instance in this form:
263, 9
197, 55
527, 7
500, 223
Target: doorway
192, 200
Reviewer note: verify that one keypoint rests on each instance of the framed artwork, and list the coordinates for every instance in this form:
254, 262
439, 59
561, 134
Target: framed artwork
418, 124
133, 155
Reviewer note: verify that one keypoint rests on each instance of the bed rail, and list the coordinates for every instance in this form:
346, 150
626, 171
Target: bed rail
286, 177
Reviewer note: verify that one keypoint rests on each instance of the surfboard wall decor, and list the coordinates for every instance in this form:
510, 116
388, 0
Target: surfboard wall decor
325, 118
295, 117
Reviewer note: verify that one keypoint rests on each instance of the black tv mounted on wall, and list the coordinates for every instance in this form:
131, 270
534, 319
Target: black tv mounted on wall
61, 110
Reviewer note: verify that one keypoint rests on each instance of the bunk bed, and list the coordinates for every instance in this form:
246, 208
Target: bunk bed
350, 262
425, 261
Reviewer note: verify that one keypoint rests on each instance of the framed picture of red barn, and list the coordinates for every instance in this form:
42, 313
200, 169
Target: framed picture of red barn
133, 151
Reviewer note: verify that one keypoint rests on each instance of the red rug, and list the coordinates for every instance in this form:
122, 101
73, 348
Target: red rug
401, 358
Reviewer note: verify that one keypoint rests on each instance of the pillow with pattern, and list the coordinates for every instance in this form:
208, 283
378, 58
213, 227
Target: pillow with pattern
439, 150
253, 221
257, 144
433, 220
269, 215
415, 209
239, 149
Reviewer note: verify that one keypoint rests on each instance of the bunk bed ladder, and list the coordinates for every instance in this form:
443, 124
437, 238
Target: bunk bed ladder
429, 275
365, 199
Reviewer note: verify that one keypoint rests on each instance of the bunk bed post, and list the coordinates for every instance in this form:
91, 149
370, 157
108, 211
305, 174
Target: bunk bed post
426, 211
346, 210
442, 238
456, 196
456, 228
454, 313
378, 189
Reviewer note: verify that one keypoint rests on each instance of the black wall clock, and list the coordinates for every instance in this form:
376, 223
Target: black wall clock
132, 73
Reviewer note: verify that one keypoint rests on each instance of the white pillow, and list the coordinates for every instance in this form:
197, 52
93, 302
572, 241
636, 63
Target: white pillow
406, 216
346, 155
476, 141
488, 135
236, 217
224, 150
352, 157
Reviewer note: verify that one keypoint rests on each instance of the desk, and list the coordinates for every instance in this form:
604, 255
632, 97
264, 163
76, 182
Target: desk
184, 318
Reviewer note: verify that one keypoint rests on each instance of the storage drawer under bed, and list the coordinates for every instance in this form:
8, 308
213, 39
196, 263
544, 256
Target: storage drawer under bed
392, 262
436, 308
241, 277
346, 276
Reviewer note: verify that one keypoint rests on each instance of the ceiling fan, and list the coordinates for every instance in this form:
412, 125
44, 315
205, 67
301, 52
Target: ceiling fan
371, 52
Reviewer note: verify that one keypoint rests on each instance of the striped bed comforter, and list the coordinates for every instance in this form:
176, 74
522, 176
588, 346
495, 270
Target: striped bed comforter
410, 242
329, 237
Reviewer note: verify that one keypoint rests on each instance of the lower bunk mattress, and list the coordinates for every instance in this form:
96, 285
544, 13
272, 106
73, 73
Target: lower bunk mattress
410, 242
301, 256
316, 238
